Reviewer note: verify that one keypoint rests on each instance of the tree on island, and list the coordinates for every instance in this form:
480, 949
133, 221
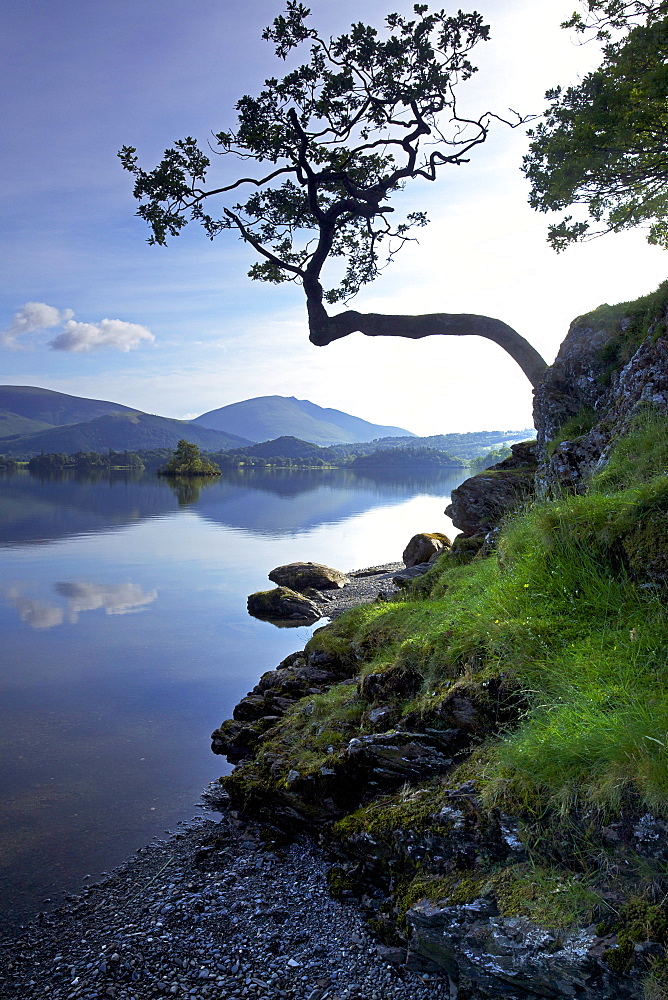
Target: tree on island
186, 461
332, 141
603, 142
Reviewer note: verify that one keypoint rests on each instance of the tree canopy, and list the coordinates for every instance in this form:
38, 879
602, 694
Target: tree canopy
603, 144
329, 144
186, 461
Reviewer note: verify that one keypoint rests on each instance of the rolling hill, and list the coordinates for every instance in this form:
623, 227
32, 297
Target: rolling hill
128, 431
51, 408
267, 417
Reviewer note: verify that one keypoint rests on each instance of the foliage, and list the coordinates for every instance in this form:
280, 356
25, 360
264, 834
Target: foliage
604, 16
7, 464
85, 461
414, 458
492, 457
602, 143
186, 461
338, 135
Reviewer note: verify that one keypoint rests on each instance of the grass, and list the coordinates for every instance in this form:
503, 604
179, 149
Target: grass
561, 611
569, 614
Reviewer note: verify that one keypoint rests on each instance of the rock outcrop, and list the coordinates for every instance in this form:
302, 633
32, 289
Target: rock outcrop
481, 502
587, 398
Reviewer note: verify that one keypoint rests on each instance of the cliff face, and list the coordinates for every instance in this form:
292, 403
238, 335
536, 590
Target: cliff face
485, 756
613, 363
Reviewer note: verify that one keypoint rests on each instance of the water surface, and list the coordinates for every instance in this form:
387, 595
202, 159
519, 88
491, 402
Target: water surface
125, 641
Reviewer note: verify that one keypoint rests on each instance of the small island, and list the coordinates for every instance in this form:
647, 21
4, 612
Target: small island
187, 461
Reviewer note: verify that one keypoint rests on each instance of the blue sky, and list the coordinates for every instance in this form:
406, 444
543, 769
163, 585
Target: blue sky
186, 330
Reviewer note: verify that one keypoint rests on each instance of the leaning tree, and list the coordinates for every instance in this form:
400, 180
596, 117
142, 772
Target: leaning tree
330, 143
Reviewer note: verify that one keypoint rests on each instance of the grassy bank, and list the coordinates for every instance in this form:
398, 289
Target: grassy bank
550, 656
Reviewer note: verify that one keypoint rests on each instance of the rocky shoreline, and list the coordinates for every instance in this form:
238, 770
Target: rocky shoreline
221, 908
218, 910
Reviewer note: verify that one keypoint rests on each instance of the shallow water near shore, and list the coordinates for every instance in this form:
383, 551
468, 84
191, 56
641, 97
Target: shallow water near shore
126, 641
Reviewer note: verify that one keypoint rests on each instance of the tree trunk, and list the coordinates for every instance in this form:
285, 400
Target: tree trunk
324, 329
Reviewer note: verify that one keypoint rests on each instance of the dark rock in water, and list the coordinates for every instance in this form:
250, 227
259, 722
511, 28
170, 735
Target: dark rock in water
283, 604
425, 546
237, 740
481, 503
302, 575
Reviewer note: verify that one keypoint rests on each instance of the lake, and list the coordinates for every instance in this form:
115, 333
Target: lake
126, 641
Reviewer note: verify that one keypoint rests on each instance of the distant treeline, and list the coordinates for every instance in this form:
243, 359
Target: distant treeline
408, 458
85, 461
282, 453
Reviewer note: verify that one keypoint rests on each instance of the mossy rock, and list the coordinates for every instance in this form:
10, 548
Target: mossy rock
646, 547
424, 546
300, 576
283, 604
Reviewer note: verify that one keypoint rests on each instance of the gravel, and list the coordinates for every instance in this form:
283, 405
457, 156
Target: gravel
213, 912
365, 585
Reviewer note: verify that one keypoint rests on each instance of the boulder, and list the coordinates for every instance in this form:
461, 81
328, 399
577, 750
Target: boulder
424, 546
512, 956
283, 604
302, 575
389, 760
482, 502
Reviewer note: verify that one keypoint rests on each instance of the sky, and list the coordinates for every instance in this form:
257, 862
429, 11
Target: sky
88, 307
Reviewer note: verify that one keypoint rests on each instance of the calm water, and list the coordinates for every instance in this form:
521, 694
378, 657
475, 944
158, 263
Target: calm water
125, 641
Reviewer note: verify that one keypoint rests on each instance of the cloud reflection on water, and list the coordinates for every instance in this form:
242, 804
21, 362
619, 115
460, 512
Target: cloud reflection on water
114, 599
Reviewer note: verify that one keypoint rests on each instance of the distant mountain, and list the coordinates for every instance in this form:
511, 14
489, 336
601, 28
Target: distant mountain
268, 417
52, 408
129, 431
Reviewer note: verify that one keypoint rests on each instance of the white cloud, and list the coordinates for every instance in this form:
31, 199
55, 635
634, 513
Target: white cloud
116, 599
31, 317
80, 338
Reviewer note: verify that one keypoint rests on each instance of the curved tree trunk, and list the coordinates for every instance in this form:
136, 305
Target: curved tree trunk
324, 329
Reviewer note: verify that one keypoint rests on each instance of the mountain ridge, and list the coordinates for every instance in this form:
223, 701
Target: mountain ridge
264, 418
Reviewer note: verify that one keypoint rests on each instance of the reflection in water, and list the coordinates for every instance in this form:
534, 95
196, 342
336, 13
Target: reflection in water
104, 727
115, 599
187, 489
264, 502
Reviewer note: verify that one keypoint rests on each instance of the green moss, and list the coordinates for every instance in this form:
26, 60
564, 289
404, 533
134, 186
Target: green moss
449, 890
411, 808
628, 323
342, 883
577, 425
552, 898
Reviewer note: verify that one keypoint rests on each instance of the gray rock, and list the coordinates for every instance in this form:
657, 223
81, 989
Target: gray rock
483, 501
404, 576
425, 546
300, 575
283, 604
512, 956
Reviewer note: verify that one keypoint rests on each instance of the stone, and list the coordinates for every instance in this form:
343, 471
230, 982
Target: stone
424, 546
404, 576
482, 502
302, 575
511, 956
281, 604
393, 759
